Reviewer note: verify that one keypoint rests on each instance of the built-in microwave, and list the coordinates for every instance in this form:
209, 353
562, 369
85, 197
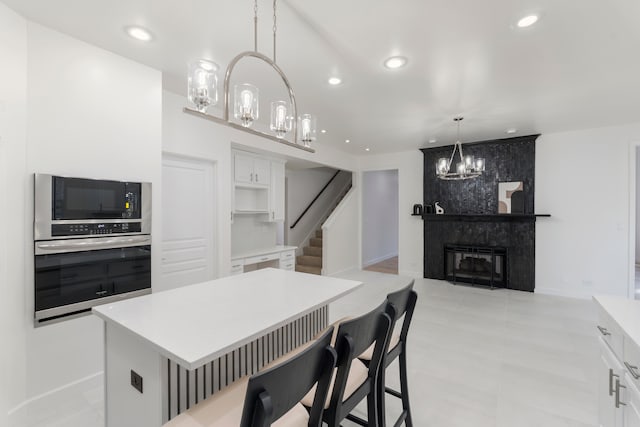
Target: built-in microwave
67, 207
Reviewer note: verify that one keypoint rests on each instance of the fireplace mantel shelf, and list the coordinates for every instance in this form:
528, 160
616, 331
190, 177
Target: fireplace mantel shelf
485, 217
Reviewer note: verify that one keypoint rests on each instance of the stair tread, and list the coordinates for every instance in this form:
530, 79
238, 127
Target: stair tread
309, 269
311, 260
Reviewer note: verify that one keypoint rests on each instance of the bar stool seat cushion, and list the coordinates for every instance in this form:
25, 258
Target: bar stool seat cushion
224, 409
358, 374
368, 353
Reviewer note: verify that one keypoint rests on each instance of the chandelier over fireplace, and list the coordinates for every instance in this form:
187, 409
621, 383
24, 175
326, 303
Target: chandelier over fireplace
468, 167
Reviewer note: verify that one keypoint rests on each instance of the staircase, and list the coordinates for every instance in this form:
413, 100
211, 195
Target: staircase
311, 260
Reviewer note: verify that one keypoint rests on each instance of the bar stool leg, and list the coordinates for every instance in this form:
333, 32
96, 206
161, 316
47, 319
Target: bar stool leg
404, 387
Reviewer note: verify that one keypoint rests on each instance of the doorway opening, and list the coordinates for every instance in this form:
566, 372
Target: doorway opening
380, 221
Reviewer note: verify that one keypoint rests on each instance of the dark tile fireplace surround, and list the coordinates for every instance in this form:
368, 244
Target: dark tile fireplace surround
471, 219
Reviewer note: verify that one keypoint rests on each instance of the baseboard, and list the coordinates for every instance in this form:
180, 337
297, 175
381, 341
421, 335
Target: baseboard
378, 259
84, 393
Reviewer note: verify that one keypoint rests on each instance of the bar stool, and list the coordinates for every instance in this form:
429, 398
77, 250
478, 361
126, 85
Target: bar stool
354, 381
271, 397
404, 302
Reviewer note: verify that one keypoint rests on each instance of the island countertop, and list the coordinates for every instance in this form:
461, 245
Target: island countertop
196, 324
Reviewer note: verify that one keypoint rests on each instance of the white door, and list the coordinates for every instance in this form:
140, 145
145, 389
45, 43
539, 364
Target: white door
188, 218
243, 169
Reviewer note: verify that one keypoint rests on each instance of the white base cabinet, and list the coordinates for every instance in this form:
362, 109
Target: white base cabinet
619, 362
282, 257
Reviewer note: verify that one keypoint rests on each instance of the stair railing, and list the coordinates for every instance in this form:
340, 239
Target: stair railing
314, 199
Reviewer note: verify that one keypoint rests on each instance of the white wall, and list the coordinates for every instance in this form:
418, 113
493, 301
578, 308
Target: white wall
341, 236
380, 213
637, 178
13, 184
583, 181
90, 113
249, 232
410, 231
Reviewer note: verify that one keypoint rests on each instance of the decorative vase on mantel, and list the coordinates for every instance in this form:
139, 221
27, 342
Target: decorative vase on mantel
439, 209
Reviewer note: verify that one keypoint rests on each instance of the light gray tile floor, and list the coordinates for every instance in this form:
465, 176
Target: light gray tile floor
497, 358
476, 358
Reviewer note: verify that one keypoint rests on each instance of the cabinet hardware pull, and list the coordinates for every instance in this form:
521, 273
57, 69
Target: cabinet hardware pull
251, 177
603, 331
257, 178
632, 370
618, 387
611, 375
100, 293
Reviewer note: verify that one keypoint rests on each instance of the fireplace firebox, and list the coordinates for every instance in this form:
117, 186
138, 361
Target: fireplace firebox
476, 265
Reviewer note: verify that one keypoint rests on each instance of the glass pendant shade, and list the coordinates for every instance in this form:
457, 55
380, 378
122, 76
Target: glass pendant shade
479, 164
281, 120
461, 168
245, 104
307, 129
442, 166
203, 84
469, 162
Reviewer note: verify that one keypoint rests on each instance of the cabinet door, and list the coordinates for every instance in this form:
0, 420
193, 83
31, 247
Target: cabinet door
631, 396
277, 191
610, 370
261, 171
243, 169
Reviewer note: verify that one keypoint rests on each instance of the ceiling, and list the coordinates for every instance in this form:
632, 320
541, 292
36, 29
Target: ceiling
578, 67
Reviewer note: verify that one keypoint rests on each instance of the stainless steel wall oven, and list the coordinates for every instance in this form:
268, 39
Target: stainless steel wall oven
92, 244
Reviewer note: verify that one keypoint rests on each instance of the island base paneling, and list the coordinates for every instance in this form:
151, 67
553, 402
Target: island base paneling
179, 388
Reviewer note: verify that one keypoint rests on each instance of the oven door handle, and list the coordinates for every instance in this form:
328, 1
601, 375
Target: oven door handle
77, 245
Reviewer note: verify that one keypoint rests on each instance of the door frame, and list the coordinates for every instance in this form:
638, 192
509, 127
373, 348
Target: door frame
634, 147
362, 213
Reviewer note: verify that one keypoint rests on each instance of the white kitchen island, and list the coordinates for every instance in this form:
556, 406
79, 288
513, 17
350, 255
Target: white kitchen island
190, 342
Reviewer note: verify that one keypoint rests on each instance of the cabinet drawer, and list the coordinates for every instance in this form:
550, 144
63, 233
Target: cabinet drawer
287, 255
288, 265
631, 361
610, 333
261, 258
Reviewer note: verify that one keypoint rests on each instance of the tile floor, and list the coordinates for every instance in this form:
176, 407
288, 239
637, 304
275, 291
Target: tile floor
477, 358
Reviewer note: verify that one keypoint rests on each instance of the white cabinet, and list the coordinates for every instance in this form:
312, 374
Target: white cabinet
282, 257
277, 191
249, 169
610, 384
631, 398
619, 373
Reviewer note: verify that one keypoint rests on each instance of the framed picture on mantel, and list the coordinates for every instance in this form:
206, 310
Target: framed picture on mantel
511, 197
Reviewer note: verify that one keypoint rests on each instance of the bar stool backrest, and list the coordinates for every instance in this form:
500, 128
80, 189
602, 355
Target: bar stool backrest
272, 393
353, 337
404, 303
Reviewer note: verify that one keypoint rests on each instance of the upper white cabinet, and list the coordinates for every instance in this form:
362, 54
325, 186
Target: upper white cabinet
250, 169
258, 186
277, 191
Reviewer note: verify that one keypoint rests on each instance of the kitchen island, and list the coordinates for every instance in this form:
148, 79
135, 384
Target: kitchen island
169, 350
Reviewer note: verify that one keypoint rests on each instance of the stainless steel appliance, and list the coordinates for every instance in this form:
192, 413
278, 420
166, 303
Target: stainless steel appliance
81, 207
92, 244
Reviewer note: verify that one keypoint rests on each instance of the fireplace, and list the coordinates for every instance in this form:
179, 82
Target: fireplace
477, 265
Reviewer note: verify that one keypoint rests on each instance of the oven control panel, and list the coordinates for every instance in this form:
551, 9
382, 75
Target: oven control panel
92, 229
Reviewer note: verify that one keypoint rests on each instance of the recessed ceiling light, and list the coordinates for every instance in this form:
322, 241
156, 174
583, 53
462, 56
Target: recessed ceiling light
395, 62
367, 149
139, 33
433, 141
347, 141
335, 81
323, 131
511, 131
527, 21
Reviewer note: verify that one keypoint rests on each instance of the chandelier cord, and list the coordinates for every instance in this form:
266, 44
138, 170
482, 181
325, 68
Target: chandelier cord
275, 28
255, 25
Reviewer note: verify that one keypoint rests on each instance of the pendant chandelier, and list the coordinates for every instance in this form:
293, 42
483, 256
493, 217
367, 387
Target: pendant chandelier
468, 167
203, 93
